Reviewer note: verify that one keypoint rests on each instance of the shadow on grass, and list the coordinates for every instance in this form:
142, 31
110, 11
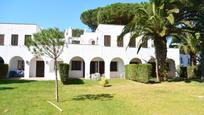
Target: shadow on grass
6, 88
73, 81
15, 81
186, 80
92, 97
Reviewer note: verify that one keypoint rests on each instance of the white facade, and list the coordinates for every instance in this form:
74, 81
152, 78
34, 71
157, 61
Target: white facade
87, 57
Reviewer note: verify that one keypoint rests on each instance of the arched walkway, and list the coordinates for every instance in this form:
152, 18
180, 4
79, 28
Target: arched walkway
135, 61
37, 67
51, 66
117, 68
16, 67
171, 67
152, 61
1, 60
77, 67
97, 65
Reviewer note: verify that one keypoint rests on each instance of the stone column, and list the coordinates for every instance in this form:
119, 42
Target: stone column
107, 69
26, 69
87, 69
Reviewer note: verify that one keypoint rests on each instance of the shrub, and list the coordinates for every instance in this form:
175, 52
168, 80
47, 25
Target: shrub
138, 72
144, 72
194, 71
64, 72
104, 82
3, 70
130, 71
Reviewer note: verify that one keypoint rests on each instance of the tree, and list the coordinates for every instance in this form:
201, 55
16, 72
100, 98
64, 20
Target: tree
157, 21
188, 45
50, 43
118, 13
77, 32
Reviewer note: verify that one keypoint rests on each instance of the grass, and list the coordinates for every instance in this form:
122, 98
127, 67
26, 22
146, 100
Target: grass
88, 98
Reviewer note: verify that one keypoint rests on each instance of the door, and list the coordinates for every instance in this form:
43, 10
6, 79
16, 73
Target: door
101, 67
40, 68
92, 67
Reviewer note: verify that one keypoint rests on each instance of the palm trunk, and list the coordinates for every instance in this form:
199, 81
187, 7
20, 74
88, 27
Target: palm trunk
192, 58
161, 54
56, 81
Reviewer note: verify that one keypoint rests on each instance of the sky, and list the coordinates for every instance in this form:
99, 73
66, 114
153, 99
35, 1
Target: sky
51, 13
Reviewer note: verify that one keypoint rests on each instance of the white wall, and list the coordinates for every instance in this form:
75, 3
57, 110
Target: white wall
86, 52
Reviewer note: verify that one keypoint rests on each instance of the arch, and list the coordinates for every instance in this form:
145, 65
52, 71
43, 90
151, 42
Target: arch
117, 68
16, 67
92, 42
171, 67
1, 60
152, 61
135, 61
37, 67
51, 66
97, 66
77, 67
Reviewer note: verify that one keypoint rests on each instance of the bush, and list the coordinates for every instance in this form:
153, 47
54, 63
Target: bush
130, 71
194, 71
138, 72
144, 72
64, 72
104, 82
3, 70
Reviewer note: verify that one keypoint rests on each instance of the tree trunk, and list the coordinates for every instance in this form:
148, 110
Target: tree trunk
161, 54
56, 81
192, 58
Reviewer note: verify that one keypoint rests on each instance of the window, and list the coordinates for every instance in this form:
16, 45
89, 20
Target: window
93, 42
20, 65
1, 39
76, 65
113, 66
120, 42
132, 43
26, 40
14, 39
75, 42
107, 40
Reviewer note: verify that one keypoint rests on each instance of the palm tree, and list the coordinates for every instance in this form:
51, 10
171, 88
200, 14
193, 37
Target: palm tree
188, 45
157, 21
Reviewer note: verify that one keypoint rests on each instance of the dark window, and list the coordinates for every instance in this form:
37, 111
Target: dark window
76, 65
132, 43
134, 62
27, 38
120, 42
93, 42
14, 39
75, 42
113, 66
107, 40
20, 65
1, 39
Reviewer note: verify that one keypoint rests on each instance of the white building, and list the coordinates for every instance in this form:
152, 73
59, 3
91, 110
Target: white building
90, 54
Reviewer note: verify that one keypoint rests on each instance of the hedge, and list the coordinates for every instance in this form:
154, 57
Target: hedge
64, 72
3, 70
138, 72
194, 71
130, 71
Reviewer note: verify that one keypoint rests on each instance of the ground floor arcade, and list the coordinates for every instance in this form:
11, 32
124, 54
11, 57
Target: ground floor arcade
38, 67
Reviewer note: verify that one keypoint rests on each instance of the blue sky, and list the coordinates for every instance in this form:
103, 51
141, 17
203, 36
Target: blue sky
50, 13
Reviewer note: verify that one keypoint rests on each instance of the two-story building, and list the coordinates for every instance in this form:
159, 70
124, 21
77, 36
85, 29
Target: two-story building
91, 54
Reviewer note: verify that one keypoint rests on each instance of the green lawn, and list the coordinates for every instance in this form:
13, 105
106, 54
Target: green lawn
122, 98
